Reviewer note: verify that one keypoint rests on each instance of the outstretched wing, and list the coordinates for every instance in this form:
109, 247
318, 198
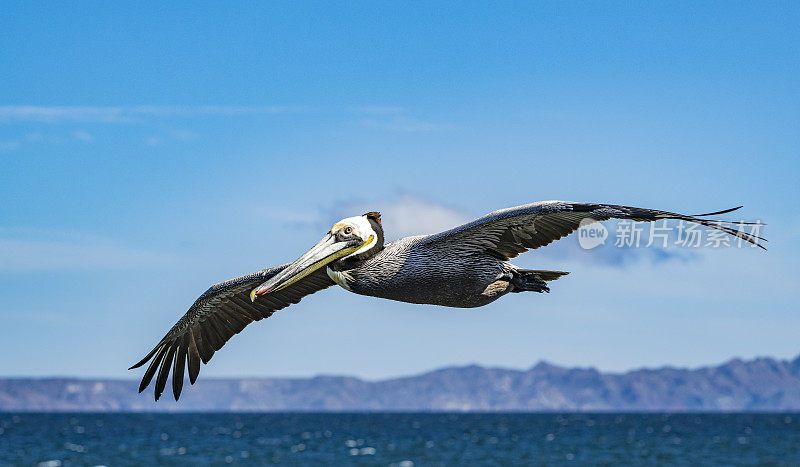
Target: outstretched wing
508, 232
222, 311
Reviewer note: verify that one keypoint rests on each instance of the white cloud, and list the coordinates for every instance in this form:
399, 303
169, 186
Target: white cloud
406, 215
121, 114
410, 215
68, 251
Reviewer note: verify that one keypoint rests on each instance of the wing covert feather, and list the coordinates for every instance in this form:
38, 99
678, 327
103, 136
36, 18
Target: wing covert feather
508, 232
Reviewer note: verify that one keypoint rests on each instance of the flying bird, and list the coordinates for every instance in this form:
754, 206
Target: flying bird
464, 267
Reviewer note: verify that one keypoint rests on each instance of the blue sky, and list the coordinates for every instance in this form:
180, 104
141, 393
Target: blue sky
150, 150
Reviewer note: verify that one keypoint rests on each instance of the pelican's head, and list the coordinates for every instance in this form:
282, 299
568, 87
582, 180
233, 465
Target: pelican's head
351, 239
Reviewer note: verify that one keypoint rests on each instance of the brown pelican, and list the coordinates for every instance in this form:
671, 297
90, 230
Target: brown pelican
462, 267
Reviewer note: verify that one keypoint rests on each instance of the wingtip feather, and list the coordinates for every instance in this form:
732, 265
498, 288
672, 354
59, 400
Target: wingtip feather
179, 367
148, 374
725, 211
146, 358
163, 372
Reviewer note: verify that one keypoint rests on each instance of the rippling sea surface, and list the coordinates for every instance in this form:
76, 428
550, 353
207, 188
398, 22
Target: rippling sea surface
398, 439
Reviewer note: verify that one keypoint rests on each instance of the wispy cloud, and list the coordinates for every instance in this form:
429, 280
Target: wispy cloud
82, 135
377, 110
183, 135
10, 113
122, 114
387, 118
401, 123
152, 116
58, 138
35, 250
9, 145
170, 135
152, 141
393, 118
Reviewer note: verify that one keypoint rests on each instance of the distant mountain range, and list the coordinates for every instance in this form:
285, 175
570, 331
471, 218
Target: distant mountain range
763, 384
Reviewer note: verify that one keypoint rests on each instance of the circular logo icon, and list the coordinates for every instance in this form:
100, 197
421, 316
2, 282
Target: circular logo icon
591, 234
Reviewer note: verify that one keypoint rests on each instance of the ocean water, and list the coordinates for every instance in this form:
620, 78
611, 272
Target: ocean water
398, 439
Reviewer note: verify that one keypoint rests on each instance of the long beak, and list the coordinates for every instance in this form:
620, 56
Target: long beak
324, 252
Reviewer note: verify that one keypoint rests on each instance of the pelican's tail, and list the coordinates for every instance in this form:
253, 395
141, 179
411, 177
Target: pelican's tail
542, 275
533, 280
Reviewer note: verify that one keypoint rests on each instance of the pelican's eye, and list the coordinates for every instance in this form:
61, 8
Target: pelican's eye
348, 230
